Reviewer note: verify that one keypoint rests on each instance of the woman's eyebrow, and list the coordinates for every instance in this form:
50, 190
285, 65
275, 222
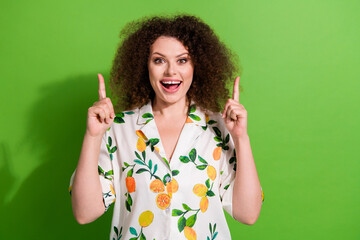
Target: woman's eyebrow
164, 55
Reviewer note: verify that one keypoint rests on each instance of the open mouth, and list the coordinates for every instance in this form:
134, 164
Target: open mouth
170, 85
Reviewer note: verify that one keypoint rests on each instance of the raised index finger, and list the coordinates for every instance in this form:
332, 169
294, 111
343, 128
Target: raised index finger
236, 89
102, 92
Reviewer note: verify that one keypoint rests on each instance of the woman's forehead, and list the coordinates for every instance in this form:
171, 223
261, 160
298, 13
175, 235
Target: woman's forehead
168, 46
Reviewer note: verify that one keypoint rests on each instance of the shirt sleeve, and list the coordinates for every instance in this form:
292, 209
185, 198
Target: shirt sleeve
105, 170
227, 176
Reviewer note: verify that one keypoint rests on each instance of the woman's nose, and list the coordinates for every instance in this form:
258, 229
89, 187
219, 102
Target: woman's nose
170, 69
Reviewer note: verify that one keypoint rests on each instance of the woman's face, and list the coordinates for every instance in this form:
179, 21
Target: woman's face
170, 70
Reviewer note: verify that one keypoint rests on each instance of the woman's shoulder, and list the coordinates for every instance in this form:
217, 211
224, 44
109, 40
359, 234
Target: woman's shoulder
214, 121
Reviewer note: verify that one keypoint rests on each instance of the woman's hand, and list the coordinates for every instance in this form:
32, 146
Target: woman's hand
101, 113
235, 115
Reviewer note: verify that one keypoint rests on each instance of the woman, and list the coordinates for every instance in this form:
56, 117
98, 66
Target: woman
171, 163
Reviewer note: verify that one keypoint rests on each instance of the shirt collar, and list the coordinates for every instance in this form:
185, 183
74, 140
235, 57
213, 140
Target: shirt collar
196, 116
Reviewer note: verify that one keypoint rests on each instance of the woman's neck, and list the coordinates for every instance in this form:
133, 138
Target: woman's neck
170, 110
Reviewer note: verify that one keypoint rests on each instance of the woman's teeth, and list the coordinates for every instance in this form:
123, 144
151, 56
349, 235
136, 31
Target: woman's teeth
171, 84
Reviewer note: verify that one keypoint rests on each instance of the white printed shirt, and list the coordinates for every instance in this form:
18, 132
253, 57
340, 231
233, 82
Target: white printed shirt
159, 199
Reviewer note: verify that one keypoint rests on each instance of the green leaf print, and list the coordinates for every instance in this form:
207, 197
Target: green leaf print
192, 108
166, 161
195, 117
175, 172
129, 112
202, 160
142, 237
139, 162
227, 138
210, 122
150, 164
191, 220
154, 141
133, 238
127, 205
113, 149
155, 168
143, 153
130, 173
147, 115
100, 170
210, 193
184, 159
186, 207
129, 199
192, 154
181, 223
218, 139
118, 120
217, 132
177, 212
116, 230
201, 167
213, 234
109, 141
141, 170
207, 183
111, 172
133, 231
227, 186
137, 155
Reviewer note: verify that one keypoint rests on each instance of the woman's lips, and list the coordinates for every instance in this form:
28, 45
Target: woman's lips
170, 86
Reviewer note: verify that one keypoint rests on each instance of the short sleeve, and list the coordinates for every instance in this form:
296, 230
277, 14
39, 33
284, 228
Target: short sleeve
105, 170
227, 177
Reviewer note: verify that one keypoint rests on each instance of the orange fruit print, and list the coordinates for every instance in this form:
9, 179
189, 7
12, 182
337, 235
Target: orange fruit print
188, 120
200, 190
140, 134
204, 204
130, 184
163, 200
140, 145
217, 153
190, 233
157, 186
211, 172
172, 187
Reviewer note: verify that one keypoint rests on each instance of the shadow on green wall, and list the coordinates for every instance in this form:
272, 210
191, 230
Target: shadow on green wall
41, 208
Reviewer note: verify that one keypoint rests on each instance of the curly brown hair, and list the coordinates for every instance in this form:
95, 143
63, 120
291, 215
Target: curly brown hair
214, 63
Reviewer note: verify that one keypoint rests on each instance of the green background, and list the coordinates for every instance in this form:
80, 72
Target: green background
301, 83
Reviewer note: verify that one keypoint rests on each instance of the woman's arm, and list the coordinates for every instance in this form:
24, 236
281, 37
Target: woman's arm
247, 196
86, 194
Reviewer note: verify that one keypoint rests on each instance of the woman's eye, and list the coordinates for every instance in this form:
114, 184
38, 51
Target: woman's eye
158, 60
182, 60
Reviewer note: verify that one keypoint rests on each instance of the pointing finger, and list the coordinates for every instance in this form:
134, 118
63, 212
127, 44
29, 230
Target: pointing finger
102, 92
236, 89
